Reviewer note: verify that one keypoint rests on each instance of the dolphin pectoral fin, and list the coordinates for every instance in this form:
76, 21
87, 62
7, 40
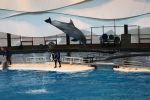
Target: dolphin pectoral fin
74, 40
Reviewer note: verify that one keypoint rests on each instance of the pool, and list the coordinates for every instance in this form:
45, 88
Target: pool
100, 84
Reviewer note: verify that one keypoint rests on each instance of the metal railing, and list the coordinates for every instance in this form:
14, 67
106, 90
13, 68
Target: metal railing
93, 37
36, 59
65, 59
72, 60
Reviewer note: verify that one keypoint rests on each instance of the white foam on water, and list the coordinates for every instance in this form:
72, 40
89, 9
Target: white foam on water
37, 91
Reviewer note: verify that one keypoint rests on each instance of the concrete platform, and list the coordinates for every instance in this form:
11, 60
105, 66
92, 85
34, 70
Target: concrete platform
104, 63
132, 69
67, 68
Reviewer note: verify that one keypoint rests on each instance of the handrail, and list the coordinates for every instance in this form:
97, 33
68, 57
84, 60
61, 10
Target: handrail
36, 59
72, 60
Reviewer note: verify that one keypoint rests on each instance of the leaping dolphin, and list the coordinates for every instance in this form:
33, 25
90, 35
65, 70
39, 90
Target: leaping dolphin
69, 29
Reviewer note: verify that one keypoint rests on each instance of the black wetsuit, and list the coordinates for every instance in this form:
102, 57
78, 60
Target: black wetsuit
8, 56
56, 58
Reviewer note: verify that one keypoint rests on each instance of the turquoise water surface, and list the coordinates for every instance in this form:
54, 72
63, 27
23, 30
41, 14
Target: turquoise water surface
100, 84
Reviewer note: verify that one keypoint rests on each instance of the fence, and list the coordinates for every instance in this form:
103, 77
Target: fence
138, 35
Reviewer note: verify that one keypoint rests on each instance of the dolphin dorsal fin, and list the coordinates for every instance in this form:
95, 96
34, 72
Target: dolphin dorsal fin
71, 22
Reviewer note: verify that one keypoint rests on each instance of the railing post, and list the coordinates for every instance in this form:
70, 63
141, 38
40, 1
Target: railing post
139, 41
67, 39
103, 29
8, 40
56, 39
44, 41
32, 41
91, 35
114, 27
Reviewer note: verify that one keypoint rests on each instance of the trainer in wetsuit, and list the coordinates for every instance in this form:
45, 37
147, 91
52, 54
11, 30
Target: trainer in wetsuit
56, 58
8, 54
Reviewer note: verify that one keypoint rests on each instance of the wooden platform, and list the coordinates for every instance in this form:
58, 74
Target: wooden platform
67, 68
132, 69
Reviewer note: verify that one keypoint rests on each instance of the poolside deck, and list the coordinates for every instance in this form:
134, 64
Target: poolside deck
132, 69
67, 68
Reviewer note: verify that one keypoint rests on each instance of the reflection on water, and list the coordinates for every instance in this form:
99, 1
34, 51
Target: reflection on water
140, 61
37, 91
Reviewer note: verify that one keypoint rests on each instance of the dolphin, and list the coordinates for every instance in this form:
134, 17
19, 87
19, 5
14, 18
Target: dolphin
69, 29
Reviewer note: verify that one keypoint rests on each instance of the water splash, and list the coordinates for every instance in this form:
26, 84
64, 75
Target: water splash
37, 91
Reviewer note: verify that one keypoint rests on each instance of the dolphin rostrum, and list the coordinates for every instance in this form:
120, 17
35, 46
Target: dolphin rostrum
69, 29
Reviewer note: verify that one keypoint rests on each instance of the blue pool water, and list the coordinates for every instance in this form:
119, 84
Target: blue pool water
100, 84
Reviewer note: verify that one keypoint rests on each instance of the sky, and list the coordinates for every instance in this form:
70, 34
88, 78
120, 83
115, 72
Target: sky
26, 17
